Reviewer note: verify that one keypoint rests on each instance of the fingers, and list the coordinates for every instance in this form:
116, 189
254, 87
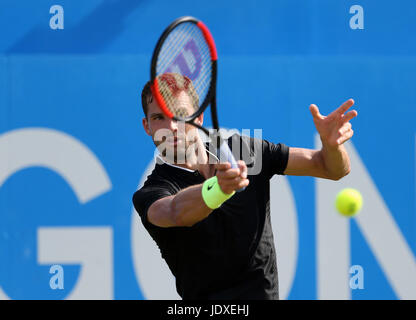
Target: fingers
344, 107
338, 112
346, 127
243, 168
345, 137
230, 185
226, 171
242, 184
222, 166
315, 111
344, 133
232, 179
229, 173
350, 115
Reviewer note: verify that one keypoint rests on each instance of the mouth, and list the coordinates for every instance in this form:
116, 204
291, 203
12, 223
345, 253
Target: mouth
174, 141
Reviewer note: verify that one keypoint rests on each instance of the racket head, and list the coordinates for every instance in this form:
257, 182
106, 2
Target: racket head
184, 60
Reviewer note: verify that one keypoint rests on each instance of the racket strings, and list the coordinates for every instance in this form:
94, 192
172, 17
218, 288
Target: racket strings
178, 94
174, 44
185, 55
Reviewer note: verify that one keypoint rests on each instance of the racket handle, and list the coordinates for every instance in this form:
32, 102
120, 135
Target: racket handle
225, 154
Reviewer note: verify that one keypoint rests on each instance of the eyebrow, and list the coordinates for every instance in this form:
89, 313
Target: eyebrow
156, 114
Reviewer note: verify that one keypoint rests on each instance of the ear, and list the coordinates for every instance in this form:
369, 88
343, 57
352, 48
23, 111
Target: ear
146, 126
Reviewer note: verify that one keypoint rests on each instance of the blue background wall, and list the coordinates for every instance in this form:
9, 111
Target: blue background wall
275, 59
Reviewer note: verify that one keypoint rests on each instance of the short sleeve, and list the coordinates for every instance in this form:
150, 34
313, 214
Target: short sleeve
265, 158
276, 157
146, 196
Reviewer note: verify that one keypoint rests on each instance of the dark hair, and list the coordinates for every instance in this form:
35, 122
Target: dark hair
147, 97
175, 83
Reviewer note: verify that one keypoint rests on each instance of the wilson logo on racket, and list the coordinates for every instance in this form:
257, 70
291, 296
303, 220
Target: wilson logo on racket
188, 62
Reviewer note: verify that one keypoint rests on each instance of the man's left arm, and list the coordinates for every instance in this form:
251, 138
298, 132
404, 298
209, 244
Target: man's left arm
332, 161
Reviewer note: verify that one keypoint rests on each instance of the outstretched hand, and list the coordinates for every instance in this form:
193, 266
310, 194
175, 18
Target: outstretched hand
334, 129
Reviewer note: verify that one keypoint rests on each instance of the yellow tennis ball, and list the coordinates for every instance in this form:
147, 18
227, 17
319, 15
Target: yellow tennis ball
349, 202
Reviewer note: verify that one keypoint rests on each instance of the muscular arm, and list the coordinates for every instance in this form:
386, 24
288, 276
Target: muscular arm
325, 163
183, 209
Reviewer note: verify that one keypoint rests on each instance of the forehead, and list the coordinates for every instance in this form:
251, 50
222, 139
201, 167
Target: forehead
153, 107
180, 104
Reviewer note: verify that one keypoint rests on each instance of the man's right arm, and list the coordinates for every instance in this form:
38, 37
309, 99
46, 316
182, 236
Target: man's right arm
187, 207
183, 209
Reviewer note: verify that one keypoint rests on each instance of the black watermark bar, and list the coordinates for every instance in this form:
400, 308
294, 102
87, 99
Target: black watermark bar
178, 309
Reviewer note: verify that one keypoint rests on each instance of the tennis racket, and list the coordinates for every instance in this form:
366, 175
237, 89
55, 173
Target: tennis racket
187, 48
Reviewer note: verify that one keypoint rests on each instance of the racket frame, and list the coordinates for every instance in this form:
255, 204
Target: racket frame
210, 97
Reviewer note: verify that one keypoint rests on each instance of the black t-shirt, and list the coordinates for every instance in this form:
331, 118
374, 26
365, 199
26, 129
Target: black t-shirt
231, 253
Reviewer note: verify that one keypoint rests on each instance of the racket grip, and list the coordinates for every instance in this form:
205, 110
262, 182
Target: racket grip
225, 154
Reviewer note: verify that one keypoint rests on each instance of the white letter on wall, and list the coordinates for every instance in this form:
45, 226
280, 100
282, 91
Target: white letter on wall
83, 171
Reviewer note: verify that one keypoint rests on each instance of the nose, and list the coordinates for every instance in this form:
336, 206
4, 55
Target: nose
173, 125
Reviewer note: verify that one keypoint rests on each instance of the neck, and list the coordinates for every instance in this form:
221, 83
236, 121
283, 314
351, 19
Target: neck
192, 163
199, 163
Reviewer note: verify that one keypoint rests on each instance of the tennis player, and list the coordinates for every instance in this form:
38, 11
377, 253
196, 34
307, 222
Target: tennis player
217, 242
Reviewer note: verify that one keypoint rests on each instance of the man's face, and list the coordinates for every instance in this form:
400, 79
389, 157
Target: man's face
172, 138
